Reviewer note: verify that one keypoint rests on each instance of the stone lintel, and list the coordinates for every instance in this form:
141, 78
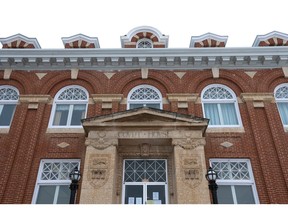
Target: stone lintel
258, 99
107, 99
182, 99
34, 100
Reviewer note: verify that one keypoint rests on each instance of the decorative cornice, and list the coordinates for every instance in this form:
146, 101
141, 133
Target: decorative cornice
208, 40
156, 58
80, 41
20, 41
274, 38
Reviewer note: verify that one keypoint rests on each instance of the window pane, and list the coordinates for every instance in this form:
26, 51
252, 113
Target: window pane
46, 194
61, 115
78, 114
211, 112
138, 105
283, 110
64, 194
229, 114
244, 194
224, 194
132, 192
6, 114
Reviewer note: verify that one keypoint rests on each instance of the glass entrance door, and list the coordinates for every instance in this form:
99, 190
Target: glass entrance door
145, 182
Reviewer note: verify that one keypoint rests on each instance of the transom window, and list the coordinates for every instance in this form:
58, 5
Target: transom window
281, 97
220, 106
144, 95
145, 170
53, 181
235, 181
8, 99
69, 107
144, 43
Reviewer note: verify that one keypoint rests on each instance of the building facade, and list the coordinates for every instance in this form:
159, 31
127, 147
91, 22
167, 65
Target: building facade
144, 122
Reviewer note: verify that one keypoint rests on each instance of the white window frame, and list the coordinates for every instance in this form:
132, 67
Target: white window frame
144, 40
71, 104
40, 182
281, 100
218, 102
232, 183
7, 102
129, 101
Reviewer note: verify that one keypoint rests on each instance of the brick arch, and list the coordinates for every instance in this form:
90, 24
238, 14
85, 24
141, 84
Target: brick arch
16, 84
20, 82
148, 35
53, 85
136, 82
208, 81
270, 80
276, 82
122, 82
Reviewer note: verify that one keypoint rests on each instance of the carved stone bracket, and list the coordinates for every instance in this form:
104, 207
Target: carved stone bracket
189, 143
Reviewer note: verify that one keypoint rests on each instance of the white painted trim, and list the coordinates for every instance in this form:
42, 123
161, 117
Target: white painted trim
77, 37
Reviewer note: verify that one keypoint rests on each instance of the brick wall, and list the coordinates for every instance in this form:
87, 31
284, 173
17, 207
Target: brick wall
263, 142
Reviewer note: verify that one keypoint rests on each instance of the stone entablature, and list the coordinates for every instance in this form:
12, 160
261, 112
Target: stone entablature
107, 99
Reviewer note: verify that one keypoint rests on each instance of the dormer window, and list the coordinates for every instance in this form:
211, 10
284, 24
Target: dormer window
144, 43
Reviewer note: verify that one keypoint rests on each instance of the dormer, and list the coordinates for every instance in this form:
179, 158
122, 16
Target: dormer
80, 41
144, 37
271, 39
19, 41
208, 40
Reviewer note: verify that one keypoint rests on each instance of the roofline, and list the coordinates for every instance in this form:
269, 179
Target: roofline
157, 58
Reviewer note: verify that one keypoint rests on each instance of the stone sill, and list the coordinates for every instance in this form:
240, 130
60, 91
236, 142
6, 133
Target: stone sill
226, 130
65, 130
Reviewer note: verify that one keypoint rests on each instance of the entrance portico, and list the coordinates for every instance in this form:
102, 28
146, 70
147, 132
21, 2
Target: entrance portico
144, 156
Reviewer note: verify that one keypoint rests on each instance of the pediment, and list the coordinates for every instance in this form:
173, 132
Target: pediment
144, 117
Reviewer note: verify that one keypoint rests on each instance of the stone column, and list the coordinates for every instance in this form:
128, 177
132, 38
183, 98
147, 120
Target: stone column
190, 169
98, 182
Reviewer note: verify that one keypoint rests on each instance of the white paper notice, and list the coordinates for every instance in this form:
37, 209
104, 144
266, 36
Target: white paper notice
155, 195
130, 200
138, 200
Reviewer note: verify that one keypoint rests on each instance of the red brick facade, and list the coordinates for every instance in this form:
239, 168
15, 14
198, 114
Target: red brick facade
263, 141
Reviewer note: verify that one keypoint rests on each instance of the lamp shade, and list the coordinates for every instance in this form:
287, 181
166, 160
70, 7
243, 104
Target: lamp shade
211, 175
75, 175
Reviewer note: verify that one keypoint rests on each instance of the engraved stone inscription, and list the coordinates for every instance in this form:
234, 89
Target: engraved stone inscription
142, 134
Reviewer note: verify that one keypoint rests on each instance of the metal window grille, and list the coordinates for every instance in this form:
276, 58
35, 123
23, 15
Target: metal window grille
7, 93
217, 93
145, 170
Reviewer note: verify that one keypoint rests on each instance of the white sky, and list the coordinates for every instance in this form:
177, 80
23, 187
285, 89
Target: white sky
50, 20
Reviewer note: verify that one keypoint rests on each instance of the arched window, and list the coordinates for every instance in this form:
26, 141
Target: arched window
220, 106
144, 95
70, 105
281, 97
144, 43
8, 100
